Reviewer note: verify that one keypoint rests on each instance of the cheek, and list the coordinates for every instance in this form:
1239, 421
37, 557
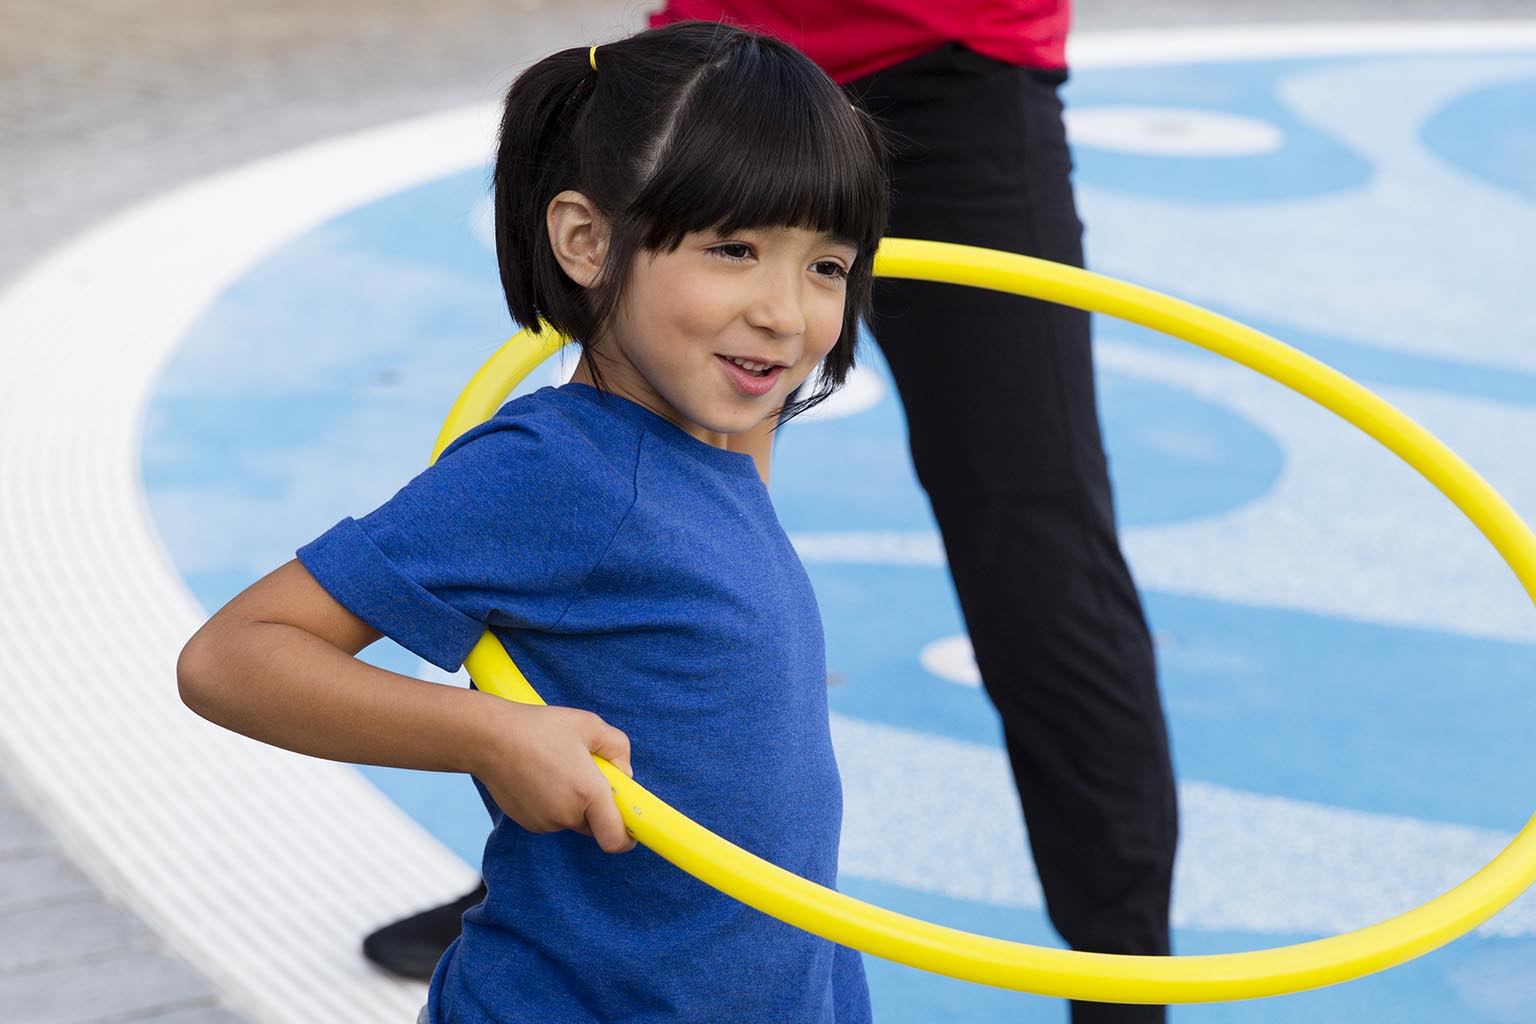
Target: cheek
826, 327
694, 307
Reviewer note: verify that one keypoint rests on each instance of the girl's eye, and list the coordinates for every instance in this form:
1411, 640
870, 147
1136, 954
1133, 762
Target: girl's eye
740, 251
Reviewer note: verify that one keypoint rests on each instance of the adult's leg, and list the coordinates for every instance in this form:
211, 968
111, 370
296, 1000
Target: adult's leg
1004, 431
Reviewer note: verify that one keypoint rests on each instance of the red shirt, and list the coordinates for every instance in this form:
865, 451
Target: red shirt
853, 38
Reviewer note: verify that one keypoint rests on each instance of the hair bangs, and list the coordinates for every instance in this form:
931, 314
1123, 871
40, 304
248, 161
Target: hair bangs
765, 142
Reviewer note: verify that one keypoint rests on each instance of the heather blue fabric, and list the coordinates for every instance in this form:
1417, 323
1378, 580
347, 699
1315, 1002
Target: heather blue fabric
639, 573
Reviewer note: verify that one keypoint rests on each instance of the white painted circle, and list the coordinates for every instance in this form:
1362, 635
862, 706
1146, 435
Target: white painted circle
951, 659
1171, 131
862, 390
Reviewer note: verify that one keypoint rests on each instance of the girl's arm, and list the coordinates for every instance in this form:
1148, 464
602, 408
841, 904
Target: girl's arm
277, 664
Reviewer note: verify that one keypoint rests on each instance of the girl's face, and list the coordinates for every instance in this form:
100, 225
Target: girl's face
715, 335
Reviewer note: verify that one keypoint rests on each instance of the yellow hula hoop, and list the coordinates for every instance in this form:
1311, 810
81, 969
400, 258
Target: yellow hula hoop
1046, 971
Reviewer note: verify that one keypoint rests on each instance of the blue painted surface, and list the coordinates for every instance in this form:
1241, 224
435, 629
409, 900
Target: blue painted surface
1174, 457
314, 386
1371, 718
1309, 163
1491, 133
1487, 980
1369, 364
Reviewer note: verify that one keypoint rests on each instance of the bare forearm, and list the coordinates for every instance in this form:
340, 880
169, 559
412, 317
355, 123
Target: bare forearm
281, 685
278, 664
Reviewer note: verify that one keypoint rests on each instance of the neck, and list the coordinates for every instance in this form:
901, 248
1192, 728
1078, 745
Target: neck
621, 380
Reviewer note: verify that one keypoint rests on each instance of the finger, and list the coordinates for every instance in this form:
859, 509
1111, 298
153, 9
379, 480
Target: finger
611, 744
607, 824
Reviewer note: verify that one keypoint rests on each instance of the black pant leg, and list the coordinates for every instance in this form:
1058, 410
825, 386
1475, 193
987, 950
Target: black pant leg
1000, 405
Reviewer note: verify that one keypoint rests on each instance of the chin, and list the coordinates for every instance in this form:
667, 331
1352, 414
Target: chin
740, 427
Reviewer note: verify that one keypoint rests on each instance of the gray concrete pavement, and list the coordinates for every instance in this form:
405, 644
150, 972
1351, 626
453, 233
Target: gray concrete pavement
103, 105
70, 953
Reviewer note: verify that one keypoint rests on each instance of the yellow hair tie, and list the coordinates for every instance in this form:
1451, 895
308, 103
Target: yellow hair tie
592, 58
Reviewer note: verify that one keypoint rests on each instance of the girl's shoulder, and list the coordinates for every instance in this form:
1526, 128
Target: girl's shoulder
554, 438
563, 413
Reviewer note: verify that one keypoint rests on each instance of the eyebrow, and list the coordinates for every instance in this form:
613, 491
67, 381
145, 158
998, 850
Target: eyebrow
825, 238
835, 239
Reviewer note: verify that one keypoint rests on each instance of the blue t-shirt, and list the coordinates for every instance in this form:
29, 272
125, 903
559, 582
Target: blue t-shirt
639, 573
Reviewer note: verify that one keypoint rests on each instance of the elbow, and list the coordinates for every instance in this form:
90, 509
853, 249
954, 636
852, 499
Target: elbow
196, 674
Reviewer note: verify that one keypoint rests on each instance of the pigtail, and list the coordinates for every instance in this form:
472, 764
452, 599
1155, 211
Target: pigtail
534, 162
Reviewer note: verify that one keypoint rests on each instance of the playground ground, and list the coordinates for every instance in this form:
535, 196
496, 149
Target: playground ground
249, 269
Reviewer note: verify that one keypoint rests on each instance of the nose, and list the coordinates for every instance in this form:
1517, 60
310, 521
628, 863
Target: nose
777, 306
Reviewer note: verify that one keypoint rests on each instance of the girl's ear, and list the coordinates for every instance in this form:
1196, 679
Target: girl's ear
578, 235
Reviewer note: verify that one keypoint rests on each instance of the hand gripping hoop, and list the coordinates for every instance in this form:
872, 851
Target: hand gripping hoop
1046, 971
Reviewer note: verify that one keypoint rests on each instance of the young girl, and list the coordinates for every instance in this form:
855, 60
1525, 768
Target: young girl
699, 207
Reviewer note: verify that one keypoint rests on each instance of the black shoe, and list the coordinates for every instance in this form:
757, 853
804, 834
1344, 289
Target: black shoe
412, 946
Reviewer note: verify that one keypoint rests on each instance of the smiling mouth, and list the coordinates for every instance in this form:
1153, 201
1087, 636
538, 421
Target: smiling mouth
749, 382
752, 366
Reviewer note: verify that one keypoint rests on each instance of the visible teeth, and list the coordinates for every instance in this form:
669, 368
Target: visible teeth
749, 365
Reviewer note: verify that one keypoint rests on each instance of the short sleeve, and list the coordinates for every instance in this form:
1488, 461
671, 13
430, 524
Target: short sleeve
502, 530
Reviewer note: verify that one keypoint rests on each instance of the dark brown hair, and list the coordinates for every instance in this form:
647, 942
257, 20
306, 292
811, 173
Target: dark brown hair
696, 126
